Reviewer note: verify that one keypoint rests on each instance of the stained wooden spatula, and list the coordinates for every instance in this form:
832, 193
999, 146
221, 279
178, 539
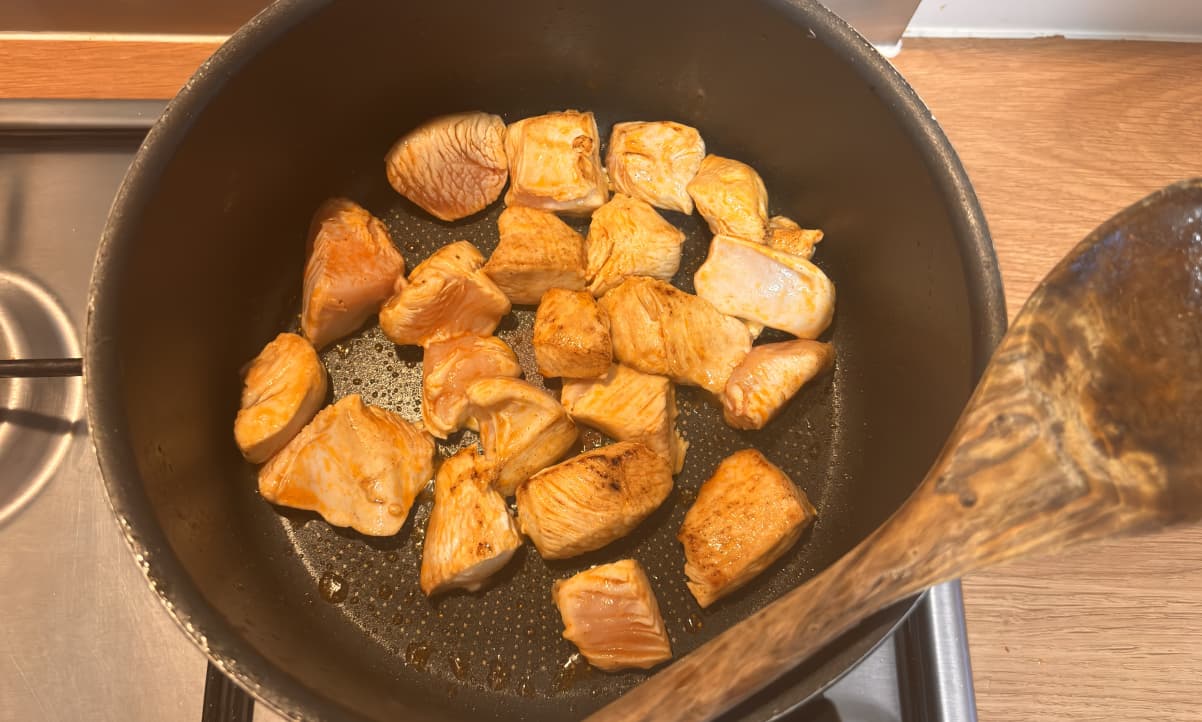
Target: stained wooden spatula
1087, 424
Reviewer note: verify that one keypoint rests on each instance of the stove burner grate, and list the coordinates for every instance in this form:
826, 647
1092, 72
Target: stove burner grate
38, 416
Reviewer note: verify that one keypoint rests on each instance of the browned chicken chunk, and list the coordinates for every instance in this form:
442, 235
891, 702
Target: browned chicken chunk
571, 335
352, 268
470, 535
610, 613
731, 197
654, 162
770, 375
785, 235
592, 499
659, 329
447, 296
452, 166
627, 237
555, 163
358, 466
746, 516
447, 369
537, 251
761, 284
629, 405
523, 429
283, 388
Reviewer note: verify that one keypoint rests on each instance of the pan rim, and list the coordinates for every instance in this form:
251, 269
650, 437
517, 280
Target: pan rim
268, 683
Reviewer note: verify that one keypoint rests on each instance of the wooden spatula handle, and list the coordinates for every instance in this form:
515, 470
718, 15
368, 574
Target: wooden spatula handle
1086, 424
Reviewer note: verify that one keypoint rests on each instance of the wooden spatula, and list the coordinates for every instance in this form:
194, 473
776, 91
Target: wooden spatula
1087, 424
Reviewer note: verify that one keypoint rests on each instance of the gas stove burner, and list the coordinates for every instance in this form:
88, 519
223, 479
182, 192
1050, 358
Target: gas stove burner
38, 417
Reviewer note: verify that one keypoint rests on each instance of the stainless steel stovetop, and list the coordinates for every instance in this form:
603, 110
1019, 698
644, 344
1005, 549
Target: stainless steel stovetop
82, 637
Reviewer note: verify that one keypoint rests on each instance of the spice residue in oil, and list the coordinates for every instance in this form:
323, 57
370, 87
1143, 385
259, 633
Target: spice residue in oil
385, 592
496, 675
458, 667
333, 588
570, 673
525, 688
417, 654
694, 623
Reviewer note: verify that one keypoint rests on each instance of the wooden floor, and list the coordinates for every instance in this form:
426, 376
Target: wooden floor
1057, 136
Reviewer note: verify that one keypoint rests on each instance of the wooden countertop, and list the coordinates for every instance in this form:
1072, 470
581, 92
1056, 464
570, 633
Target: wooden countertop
1057, 136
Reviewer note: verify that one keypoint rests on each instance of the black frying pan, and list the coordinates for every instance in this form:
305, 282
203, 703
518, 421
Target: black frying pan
201, 265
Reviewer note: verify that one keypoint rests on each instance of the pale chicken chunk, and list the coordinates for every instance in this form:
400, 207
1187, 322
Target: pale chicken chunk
358, 466
770, 375
761, 284
536, 251
627, 237
629, 405
523, 429
785, 235
447, 369
452, 166
283, 388
571, 335
746, 516
654, 162
592, 499
447, 296
352, 268
555, 163
610, 613
470, 534
731, 197
659, 329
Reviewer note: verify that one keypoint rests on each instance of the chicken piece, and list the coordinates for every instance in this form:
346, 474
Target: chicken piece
352, 268
629, 405
592, 499
611, 615
284, 387
452, 166
447, 296
470, 535
555, 163
761, 284
746, 516
731, 197
785, 235
654, 162
357, 465
659, 329
571, 335
627, 237
523, 429
537, 251
447, 369
770, 375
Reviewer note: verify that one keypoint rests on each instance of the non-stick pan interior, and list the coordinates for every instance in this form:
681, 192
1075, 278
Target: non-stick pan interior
203, 266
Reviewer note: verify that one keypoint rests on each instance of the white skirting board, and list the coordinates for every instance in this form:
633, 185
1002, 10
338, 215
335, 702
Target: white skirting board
1168, 20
